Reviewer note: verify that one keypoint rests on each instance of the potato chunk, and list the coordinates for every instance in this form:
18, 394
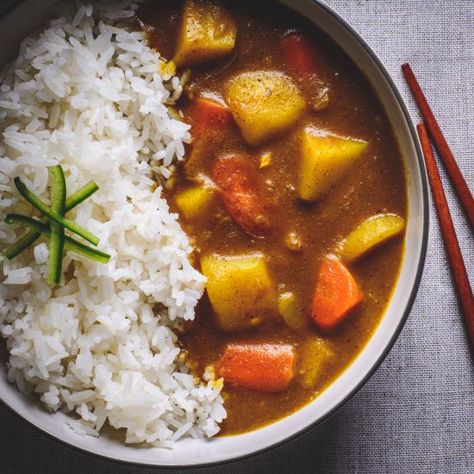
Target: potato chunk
315, 354
292, 312
325, 158
240, 290
206, 32
370, 233
193, 201
263, 103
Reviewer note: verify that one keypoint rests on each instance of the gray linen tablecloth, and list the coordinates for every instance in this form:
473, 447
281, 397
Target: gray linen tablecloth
416, 414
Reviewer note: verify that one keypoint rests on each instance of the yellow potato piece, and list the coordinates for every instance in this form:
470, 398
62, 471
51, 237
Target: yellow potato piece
292, 312
372, 232
263, 103
265, 160
314, 354
192, 202
166, 68
240, 290
206, 32
325, 158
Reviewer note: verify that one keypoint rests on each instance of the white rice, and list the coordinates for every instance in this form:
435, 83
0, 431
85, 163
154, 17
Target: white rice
86, 93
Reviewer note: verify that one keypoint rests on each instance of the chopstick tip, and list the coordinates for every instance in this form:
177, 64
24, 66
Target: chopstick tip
422, 131
407, 70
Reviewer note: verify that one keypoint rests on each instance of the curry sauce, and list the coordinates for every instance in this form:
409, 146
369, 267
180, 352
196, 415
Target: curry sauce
300, 233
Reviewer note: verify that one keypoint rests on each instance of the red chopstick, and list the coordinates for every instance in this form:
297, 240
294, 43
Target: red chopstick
456, 262
454, 173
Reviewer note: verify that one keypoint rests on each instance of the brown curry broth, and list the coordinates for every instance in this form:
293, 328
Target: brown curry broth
376, 184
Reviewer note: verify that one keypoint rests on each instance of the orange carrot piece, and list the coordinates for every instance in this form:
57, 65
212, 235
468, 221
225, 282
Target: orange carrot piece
206, 118
243, 194
261, 367
335, 296
300, 54
206, 115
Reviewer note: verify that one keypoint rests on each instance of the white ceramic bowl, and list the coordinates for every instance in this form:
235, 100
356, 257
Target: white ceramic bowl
29, 14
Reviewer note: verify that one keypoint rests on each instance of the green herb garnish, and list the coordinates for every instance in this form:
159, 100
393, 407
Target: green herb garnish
30, 238
79, 196
53, 215
55, 230
71, 244
56, 239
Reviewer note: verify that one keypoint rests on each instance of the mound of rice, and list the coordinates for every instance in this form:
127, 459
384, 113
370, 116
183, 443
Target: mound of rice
86, 93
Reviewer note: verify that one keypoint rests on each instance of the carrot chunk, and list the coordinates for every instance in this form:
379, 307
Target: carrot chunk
335, 296
300, 54
206, 115
243, 194
261, 367
207, 118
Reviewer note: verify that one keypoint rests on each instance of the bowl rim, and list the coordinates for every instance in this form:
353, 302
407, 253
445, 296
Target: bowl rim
376, 364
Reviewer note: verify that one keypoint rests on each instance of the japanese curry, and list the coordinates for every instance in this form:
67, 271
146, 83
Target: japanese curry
293, 195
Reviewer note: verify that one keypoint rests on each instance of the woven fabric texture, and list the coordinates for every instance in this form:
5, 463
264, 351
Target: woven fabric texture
416, 414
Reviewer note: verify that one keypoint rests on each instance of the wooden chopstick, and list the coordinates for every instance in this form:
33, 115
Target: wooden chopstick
454, 173
456, 262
